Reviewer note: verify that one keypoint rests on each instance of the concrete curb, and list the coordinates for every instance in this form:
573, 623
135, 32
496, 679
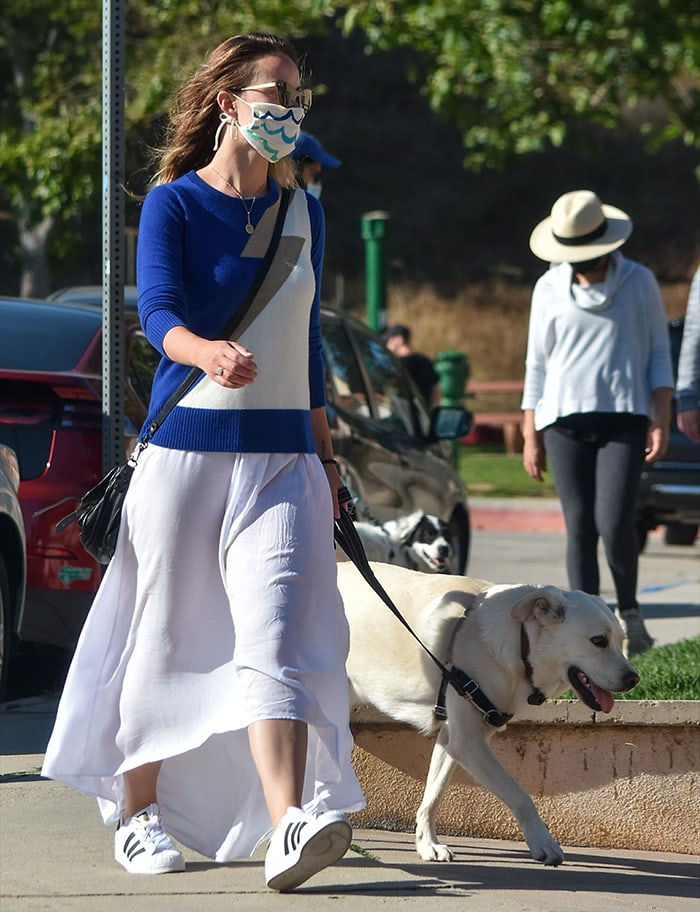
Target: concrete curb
620, 781
516, 514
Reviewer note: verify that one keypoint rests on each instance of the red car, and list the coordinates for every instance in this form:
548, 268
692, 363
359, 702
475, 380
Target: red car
51, 416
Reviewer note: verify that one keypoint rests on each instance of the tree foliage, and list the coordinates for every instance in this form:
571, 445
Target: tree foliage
51, 114
513, 75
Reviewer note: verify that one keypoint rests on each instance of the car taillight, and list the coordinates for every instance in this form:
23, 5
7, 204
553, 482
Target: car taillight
25, 412
30, 419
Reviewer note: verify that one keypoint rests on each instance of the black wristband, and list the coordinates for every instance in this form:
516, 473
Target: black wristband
329, 462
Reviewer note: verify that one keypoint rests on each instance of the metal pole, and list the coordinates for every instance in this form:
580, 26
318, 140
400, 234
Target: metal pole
113, 259
373, 233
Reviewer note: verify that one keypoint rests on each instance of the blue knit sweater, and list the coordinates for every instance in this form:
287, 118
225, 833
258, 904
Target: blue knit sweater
195, 264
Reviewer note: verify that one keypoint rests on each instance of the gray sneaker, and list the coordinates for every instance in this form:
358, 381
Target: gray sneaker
143, 847
638, 638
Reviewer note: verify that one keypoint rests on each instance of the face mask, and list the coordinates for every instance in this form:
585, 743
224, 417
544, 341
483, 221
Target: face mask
314, 190
274, 130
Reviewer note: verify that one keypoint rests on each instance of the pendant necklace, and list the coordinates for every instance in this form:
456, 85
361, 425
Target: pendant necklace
249, 228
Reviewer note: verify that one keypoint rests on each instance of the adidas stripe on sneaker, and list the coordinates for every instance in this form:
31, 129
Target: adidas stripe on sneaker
143, 847
302, 845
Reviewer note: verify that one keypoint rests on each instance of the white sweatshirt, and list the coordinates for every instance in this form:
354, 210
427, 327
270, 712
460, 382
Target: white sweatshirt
596, 348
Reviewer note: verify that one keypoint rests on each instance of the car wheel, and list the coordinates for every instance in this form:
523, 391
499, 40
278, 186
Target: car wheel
680, 534
5, 628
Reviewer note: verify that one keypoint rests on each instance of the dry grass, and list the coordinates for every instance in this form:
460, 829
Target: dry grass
488, 322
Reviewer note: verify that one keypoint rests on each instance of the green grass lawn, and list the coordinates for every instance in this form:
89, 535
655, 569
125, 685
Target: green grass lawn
489, 472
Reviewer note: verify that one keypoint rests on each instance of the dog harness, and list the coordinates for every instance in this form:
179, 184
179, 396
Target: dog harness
470, 688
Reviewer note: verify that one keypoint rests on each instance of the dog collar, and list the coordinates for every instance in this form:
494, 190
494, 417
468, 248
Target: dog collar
536, 698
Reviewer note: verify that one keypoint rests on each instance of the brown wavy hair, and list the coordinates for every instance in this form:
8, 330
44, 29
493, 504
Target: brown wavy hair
194, 115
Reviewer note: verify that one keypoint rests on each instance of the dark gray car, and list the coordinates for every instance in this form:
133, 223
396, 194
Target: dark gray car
669, 492
391, 449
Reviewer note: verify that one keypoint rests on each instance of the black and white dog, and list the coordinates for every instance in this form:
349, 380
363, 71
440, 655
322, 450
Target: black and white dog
418, 541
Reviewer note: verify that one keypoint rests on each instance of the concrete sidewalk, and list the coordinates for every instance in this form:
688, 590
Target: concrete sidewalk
523, 540
57, 855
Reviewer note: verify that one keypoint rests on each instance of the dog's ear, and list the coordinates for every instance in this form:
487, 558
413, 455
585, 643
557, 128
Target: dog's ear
407, 525
543, 604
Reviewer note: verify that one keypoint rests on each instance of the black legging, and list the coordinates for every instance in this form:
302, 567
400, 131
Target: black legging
596, 461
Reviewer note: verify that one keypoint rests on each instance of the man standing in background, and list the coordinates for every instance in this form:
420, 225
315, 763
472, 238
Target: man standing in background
420, 367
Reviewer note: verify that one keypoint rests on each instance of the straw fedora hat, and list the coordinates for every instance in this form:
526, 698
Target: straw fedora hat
580, 228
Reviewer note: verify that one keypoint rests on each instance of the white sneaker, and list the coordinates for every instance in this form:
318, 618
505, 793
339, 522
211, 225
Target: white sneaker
302, 845
143, 847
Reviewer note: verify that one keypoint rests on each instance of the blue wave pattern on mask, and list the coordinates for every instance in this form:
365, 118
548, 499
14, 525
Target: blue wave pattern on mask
271, 141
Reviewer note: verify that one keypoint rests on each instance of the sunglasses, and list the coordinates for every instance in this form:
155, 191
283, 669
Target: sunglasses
287, 95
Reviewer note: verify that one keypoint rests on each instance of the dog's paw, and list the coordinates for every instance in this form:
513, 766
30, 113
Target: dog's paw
546, 849
433, 851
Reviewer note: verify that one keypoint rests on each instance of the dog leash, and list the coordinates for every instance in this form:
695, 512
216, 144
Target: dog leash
347, 536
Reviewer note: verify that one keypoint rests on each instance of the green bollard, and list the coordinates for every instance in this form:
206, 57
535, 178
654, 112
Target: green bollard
373, 234
452, 368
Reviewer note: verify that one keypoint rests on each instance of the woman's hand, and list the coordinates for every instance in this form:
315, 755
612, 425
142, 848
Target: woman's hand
335, 482
660, 426
534, 459
229, 364
657, 442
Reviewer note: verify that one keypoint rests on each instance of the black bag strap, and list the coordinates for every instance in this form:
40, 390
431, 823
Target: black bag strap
234, 322
347, 536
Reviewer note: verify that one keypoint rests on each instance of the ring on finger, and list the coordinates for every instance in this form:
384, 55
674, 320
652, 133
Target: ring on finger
219, 371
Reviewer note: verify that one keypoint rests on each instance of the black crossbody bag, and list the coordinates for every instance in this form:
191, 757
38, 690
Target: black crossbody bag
98, 514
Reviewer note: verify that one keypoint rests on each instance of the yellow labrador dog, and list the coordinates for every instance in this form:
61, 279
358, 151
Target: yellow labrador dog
516, 642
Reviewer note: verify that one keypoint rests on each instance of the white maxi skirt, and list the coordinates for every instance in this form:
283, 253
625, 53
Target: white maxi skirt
219, 608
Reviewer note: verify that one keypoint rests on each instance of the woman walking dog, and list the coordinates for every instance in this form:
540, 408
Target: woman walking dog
208, 699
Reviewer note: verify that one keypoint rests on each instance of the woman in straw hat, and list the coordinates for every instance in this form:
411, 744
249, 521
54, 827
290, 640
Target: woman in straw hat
598, 388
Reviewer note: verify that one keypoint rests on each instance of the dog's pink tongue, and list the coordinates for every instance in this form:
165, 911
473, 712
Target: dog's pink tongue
603, 697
